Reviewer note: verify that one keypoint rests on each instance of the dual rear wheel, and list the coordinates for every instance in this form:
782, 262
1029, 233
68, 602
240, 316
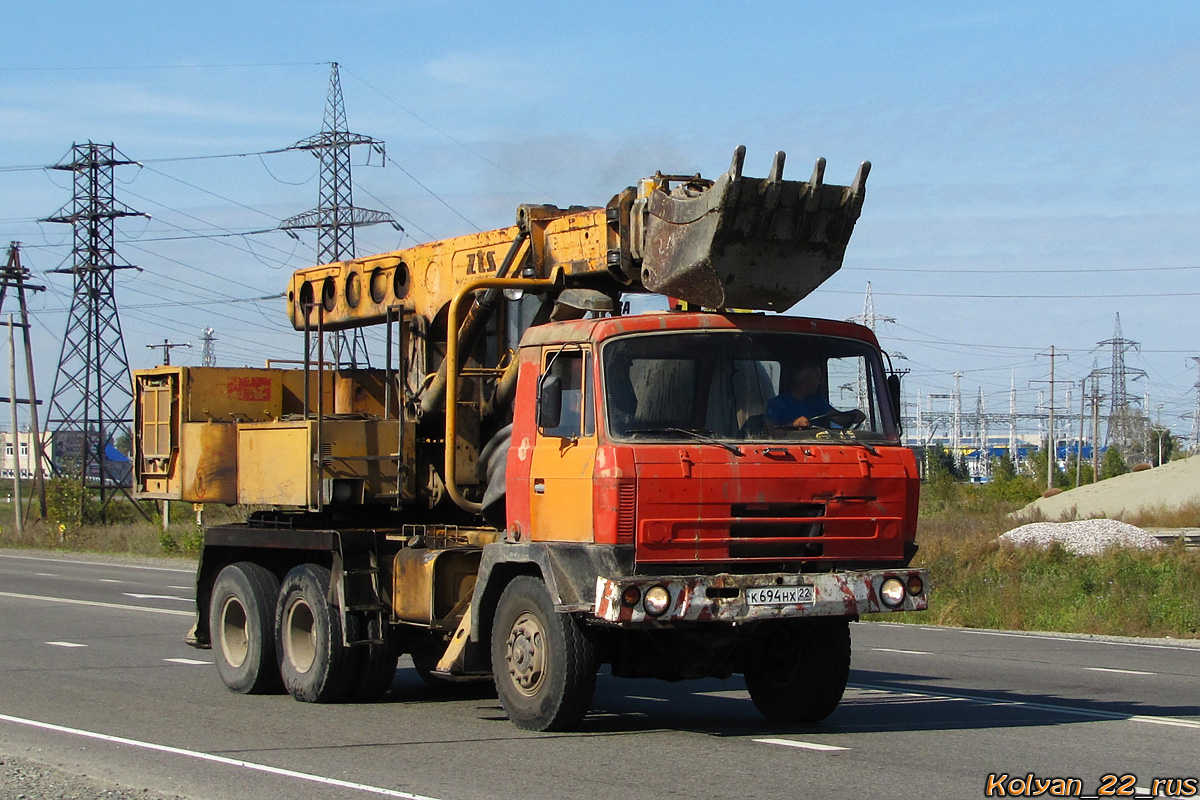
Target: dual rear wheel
269, 634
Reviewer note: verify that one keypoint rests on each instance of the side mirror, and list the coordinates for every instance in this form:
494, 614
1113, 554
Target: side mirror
550, 395
893, 385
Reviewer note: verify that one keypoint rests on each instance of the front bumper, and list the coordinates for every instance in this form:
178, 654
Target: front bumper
723, 598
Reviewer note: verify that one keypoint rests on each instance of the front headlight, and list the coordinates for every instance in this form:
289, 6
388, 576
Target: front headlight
656, 600
892, 592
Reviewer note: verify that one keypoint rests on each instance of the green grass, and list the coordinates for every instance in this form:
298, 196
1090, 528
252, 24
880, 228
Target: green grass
978, 583
130, 535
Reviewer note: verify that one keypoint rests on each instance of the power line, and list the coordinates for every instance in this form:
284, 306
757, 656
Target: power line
134, 68
144, 161
431, 126
1003, 272
1051, 297
431, 192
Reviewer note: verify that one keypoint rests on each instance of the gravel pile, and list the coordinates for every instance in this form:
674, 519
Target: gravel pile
1085, 537
25, 780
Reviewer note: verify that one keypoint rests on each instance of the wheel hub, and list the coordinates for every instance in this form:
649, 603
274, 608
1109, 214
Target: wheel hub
526, 654
299, 640
235, 638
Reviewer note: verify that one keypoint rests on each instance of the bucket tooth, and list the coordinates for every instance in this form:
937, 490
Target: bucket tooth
818, 175
860, 178
739, 158
776, 173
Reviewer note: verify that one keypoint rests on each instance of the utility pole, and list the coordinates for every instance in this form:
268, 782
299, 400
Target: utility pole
1051, 444
167, 347
1094, 398
335, 217
92, 394
15, 276
981, 423
1079, 449
1159, 430
208, 356
956, 411
1196, 410
1012, 418
12, 396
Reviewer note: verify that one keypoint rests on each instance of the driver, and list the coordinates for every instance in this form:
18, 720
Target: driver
802, 401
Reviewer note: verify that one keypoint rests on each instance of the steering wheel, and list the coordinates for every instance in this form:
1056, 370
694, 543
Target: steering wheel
823, 420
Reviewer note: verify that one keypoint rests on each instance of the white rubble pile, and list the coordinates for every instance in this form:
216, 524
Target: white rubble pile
1085, 537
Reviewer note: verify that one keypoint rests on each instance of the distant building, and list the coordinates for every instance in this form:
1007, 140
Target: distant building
16, 450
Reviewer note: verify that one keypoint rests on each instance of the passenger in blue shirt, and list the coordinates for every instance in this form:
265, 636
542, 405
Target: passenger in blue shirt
802, 401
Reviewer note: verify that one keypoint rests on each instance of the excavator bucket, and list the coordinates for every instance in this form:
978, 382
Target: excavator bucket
755, 243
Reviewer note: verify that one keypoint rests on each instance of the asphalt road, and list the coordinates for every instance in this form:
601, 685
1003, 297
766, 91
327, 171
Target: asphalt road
95, 679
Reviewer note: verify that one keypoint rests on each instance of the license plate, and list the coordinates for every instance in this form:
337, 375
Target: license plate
780, 595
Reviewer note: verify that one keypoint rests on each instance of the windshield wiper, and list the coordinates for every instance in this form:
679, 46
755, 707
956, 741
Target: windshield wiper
697, 434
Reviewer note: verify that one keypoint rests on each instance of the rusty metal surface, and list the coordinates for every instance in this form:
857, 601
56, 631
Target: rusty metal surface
836, 594
738, 242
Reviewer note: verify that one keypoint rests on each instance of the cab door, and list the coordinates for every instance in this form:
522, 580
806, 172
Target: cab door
560, 478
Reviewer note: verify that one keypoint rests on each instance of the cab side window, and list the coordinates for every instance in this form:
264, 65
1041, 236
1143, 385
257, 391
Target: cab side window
577, 418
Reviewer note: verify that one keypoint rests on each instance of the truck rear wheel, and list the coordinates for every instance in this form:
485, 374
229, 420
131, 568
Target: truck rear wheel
543, 664
797, 671
241, 627
376, 667
315, 664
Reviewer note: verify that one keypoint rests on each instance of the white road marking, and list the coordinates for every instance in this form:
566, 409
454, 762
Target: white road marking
1080, 712
46, 574
184, 588
96, 604
823, 748
906, 652
157, 597
191, 571
67, 644
1077, 639
109, 580
232, 762
188, 661
651, 699
1120, 671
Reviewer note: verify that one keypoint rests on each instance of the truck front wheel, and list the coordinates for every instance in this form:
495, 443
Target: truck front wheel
542, 661
796, 672
241, 627
315, 664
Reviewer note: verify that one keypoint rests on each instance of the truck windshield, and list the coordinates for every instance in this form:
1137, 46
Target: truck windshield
739, 386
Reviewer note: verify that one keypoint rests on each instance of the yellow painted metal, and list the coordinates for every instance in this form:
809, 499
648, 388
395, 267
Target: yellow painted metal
412, 584
560, 499
207, 465
451, 459
277, 465
453, 660
421, 279
561, 490
184, 420
431, 586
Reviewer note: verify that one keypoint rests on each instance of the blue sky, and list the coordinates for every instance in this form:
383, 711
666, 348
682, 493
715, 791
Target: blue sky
1035, 165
